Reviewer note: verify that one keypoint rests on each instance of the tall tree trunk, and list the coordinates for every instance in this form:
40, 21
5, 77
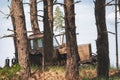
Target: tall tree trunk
48, 31
21, 35
33, 16
72, 69
34, 21
102, 40
119, 5
14, 38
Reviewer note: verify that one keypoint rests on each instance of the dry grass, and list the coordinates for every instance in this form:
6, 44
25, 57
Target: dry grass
51, 74
58, 73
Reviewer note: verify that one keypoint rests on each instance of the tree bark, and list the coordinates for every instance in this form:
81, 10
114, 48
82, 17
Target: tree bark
119, 5
14, 38
72, 69
33, 16
34, 21
21, 36
102, 40
48, 31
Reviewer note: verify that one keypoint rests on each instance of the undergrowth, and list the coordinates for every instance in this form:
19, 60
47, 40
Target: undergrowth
86, 72
9, 72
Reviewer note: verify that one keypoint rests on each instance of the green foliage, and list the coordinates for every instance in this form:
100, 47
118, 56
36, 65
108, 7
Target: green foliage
7, 73
58, 19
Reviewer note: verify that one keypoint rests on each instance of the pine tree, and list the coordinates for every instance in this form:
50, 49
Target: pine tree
17, 13
58, 19
102, 40
72, 69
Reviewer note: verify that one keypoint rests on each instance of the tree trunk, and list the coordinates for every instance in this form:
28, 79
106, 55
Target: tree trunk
14, 38
48, 31
34, 21
33, 16
102, 40
119, 5
21, 36
72, 69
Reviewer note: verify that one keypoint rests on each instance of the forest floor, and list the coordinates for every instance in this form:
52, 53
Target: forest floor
58, 73
55, 73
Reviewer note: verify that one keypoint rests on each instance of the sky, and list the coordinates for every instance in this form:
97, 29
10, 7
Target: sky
85, 23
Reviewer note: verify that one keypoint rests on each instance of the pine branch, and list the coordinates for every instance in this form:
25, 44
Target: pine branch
77, 2
61, 4
11, 12
10, 30
15, 32
40, 16
3, 13
40, 11
6, 36
40, 1
27, 3
6, 15
109, 3
40, 20
111, 32
55, 1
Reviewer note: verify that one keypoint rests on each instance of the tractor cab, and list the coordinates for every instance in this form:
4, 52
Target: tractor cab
36, 47
35, 43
